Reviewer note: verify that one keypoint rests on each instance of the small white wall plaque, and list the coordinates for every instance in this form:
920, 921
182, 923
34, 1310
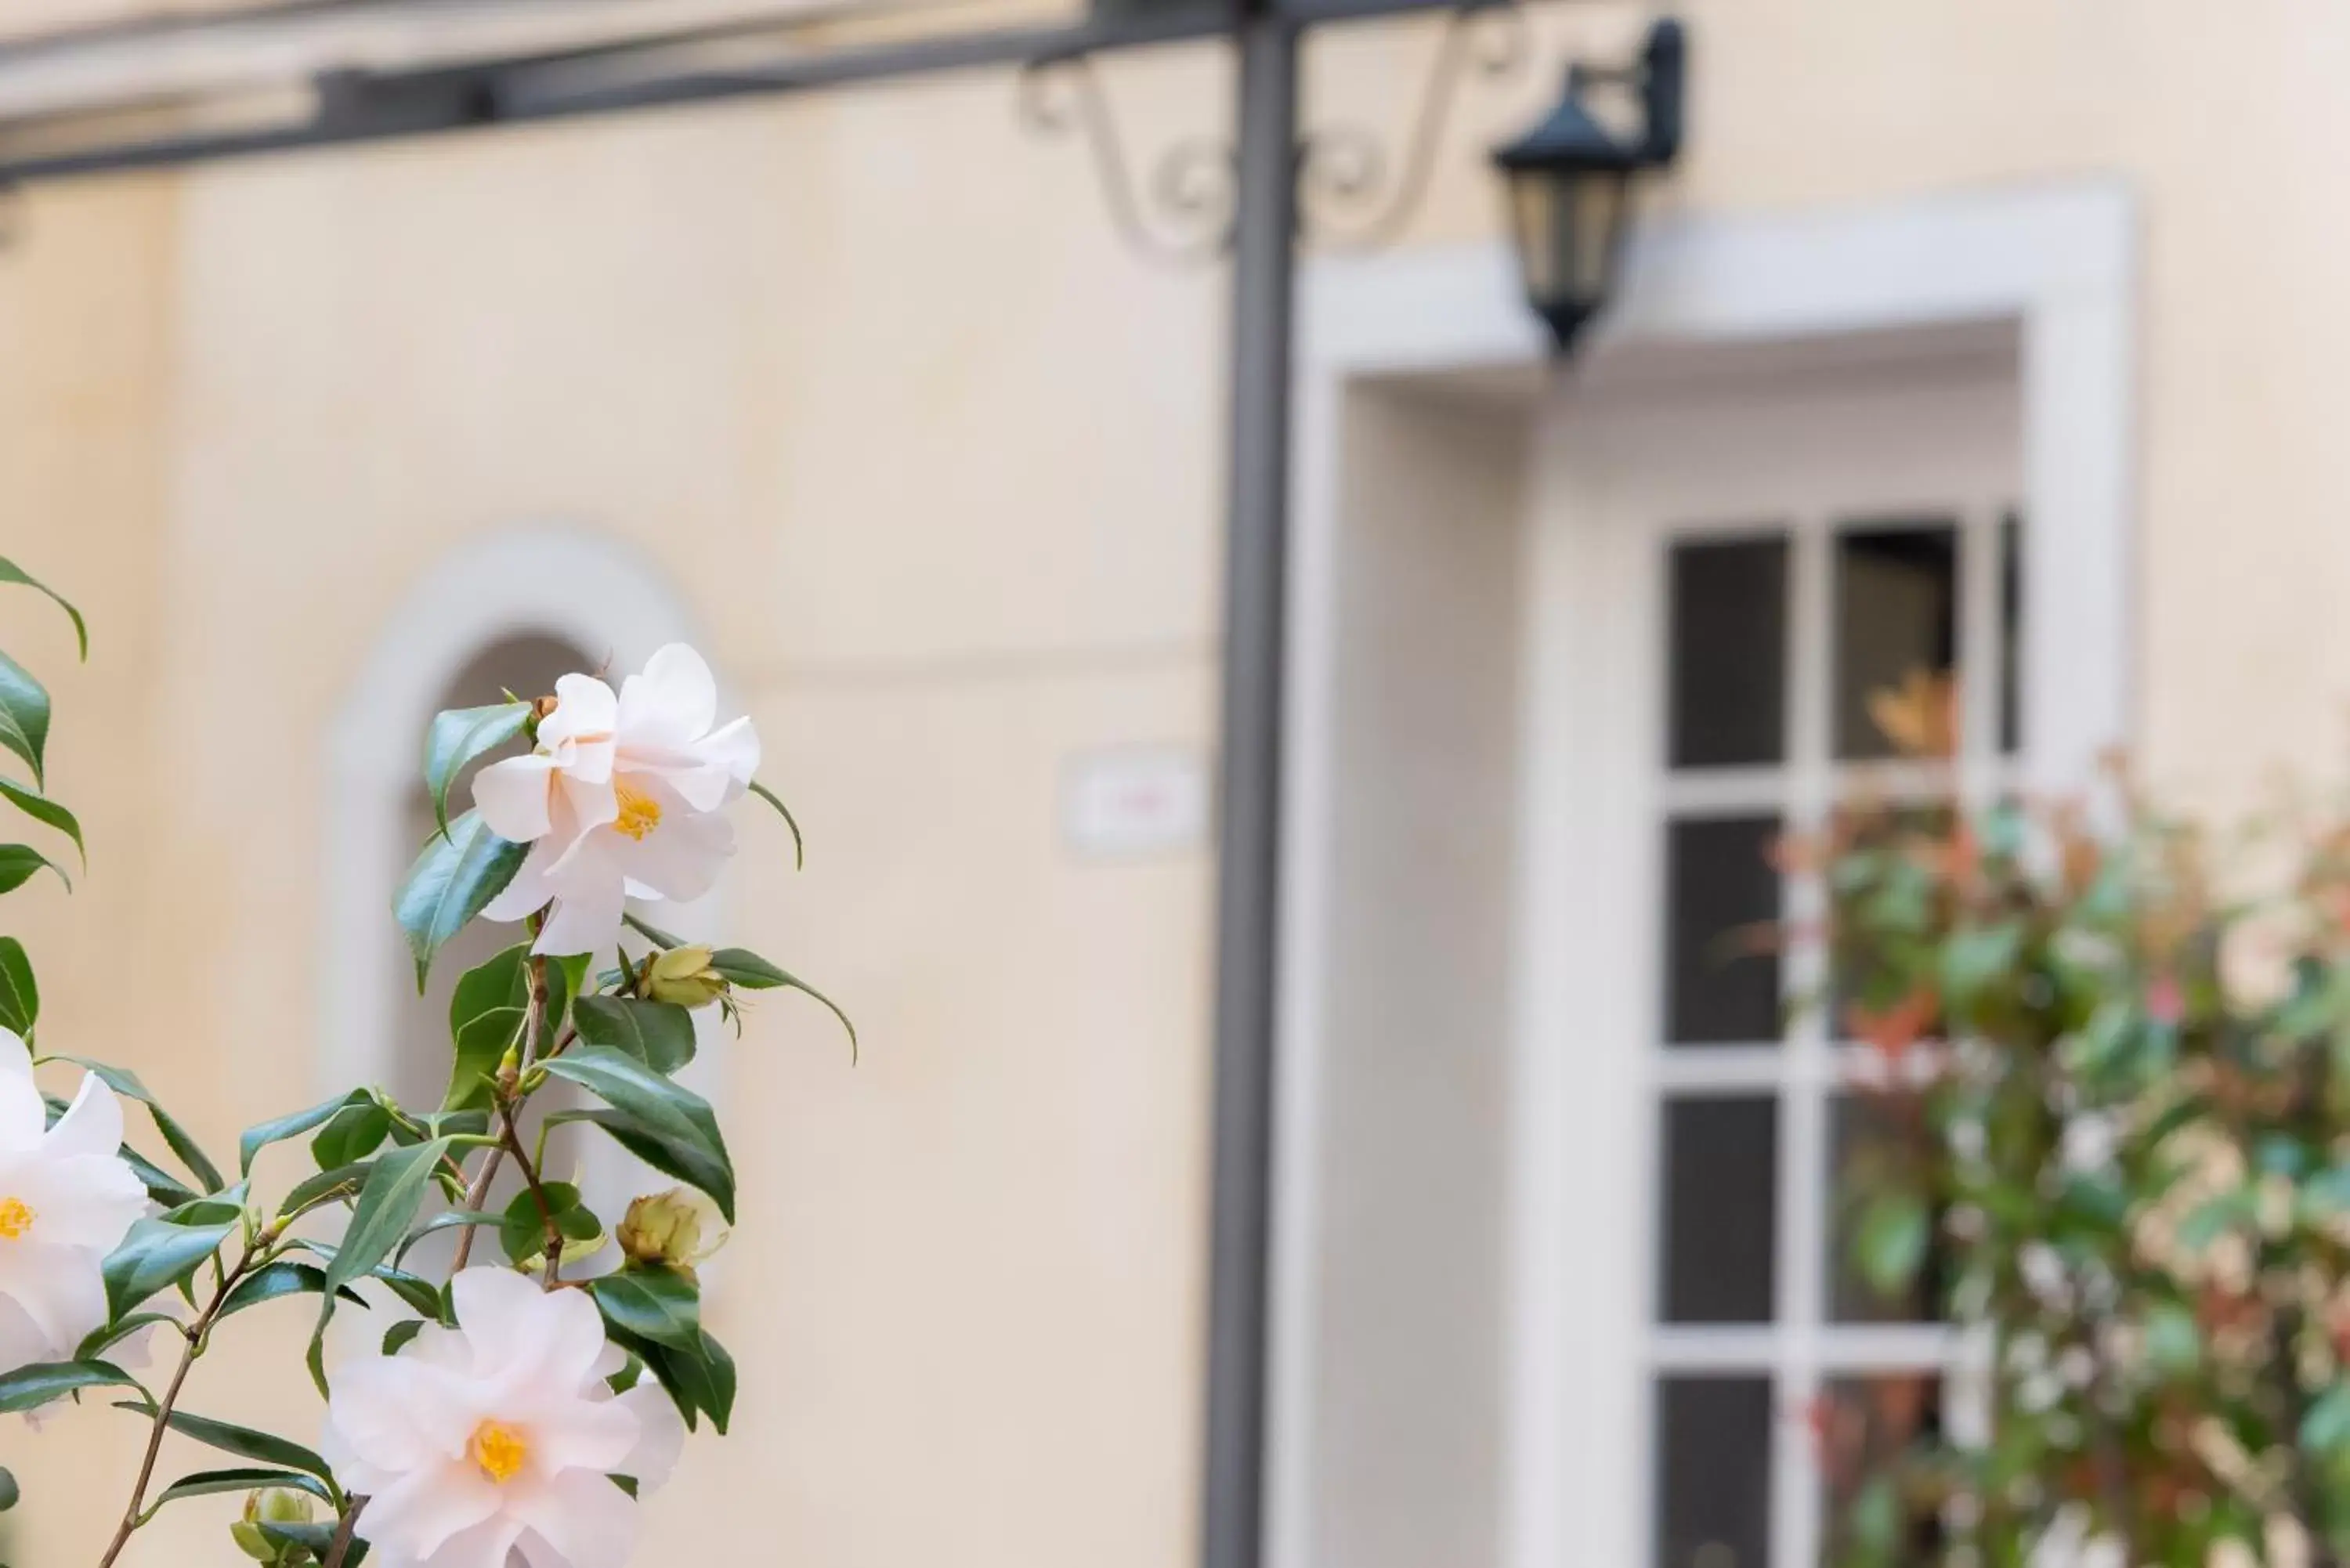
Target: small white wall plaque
1133, 802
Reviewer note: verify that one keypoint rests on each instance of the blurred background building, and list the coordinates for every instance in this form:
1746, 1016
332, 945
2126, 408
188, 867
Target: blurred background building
1994, 336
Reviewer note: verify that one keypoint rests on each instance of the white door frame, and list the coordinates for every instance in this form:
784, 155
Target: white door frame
2059, 264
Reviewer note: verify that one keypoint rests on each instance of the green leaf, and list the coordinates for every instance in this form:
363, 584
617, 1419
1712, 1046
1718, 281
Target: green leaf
457, 736
161, 1185
19, 861
29, 1388
652, 1304
20, 998
653, 934
261, 1136
2215, 1218
445, 1221
453, 881
245, 1442
24, 716
41, 808
799, 848
8, 1492
11, 573
521, 1230
324, 1187
317, 1540
124, 1082
156, 1256
352, 1134
658, 1033
386, 1205
206, 1483
1890, 1244
1973, 960
487, 1009
747, 970
669, 1127
100, 1340
701, 1380
396, 1337
278, 1281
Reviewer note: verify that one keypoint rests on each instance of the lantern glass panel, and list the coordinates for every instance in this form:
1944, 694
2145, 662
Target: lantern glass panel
1568, 228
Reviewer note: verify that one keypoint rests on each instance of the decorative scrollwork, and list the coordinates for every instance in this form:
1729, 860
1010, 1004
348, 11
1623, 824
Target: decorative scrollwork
1182, 213
1350, 191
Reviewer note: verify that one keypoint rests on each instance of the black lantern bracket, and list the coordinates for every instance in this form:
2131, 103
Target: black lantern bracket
1570, 181
1353, 190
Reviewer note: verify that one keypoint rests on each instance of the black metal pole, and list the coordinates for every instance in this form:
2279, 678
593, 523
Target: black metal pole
1256, 558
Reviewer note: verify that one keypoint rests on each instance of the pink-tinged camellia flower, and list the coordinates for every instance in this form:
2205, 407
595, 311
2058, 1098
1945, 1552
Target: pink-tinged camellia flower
66, 1199
619, 799
493, 1444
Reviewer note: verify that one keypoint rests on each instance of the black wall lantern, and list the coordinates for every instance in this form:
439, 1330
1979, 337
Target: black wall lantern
1570, 183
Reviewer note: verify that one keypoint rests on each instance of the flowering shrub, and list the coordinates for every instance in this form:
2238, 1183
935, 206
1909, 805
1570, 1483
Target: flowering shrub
2113, 1101
515, 1408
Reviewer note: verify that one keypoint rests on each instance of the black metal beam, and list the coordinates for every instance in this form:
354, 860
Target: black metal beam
366, 106
1248, 860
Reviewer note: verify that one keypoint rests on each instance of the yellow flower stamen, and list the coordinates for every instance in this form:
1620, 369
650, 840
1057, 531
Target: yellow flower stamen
15, 1218
639, 812
499, 1451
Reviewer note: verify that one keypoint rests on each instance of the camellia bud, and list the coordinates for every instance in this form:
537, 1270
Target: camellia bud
684, 975
663, 1231
274, 1506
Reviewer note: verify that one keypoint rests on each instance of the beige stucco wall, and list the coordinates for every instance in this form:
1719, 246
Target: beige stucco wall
938, 463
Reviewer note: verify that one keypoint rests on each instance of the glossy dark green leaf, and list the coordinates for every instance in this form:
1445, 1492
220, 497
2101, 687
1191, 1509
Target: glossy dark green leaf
278, 1281
457, 736
29, 1388
652, 1304
11, 573
658, 1033
317, 1540
487, 1009
8, 1491
387, 1203
95, 1345
245, 1442
323, 1186
396, 1337
450, 1221
747, 970
262, 1136
124, 1082
652, 933
350, 1136
207, 1483
20, 997
521, 1229
669, 1127
156, 1256
19, 862
799, 848
24, 717
453, 881
700, 1381
42, 809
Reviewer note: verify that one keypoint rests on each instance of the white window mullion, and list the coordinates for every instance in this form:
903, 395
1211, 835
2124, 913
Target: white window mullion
1794, 1501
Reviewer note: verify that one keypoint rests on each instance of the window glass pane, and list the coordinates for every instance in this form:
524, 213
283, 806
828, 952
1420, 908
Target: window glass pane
1721, 1209
1871, 1141
1729, 653
1865, 1425
1897, 604
2011, 634
1713, 1472
1722, 978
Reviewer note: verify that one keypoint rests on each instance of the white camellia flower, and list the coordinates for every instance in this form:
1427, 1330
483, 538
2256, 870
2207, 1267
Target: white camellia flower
494, 1443
619, 799
66, 1199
